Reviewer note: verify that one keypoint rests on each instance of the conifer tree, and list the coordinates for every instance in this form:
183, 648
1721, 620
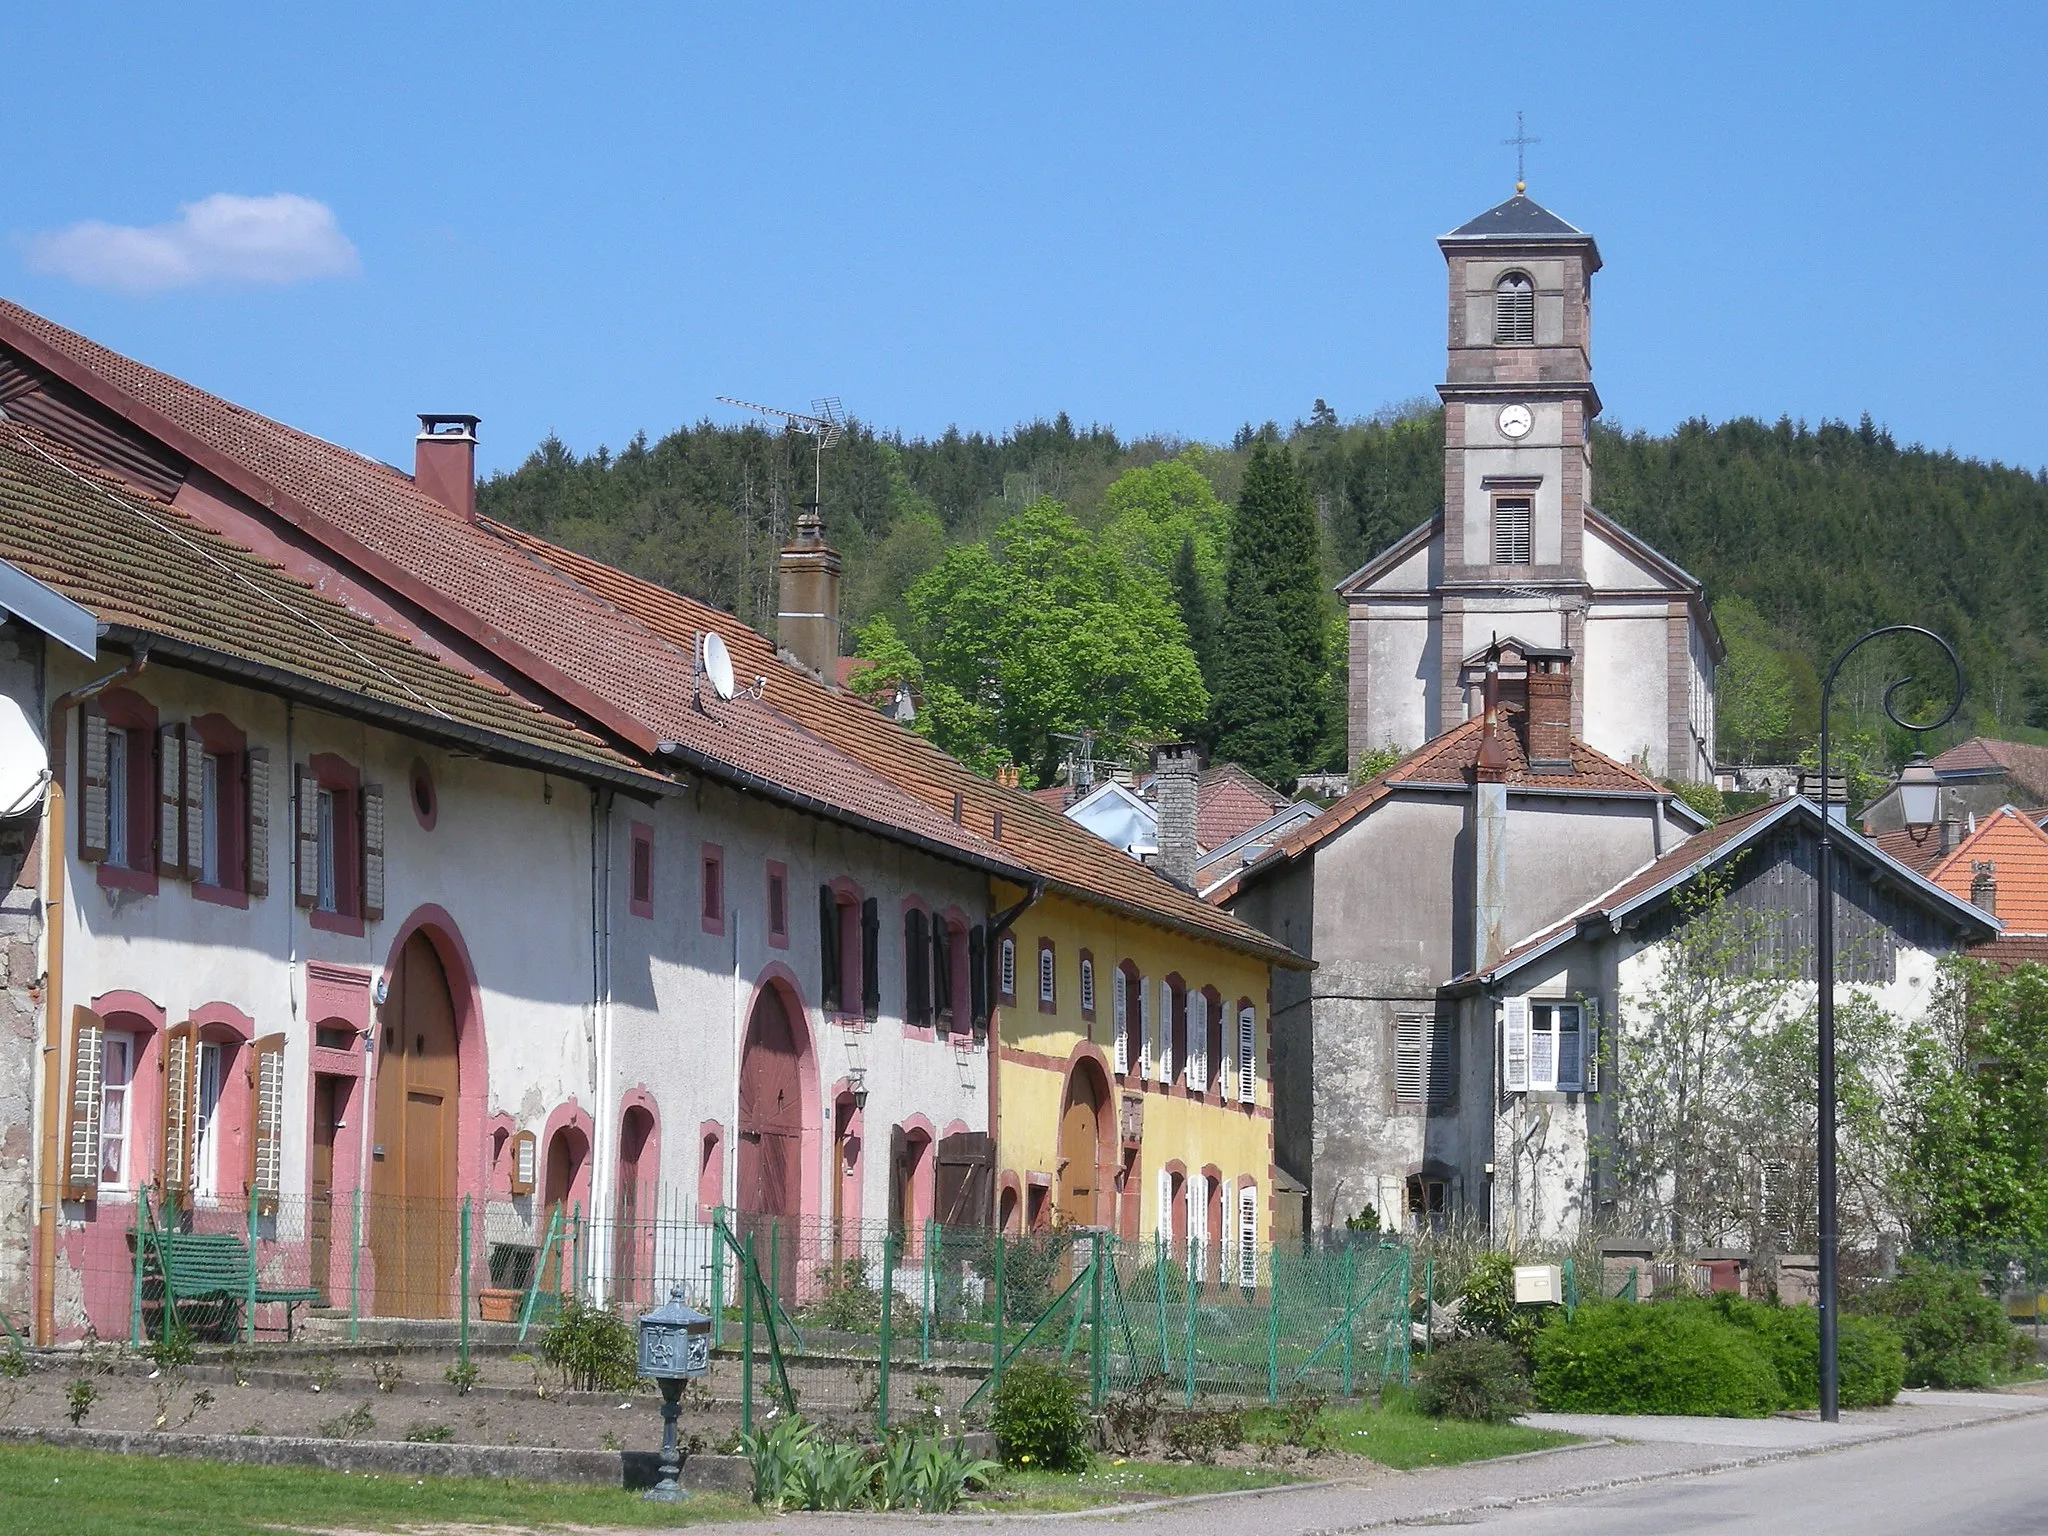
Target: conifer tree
1272, 666
1196, 608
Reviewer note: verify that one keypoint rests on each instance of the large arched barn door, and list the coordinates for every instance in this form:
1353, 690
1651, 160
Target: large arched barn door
1080, 1129
771, 1134
412, 1161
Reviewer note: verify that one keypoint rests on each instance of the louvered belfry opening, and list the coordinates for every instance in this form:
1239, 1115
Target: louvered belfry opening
1512, 542
1514, 311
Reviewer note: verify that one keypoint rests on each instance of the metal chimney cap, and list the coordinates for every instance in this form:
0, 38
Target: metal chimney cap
436, 424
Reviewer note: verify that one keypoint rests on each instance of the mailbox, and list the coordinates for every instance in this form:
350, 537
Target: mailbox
1538, 1283
675, 1341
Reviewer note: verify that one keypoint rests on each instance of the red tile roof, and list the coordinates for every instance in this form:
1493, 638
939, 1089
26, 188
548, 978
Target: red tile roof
1230, 801
1918, 852
2017, 850
1450, 759
2022, 763
2009, 950
597, 659
139, 563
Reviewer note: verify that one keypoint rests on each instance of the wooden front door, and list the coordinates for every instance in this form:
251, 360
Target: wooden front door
412, 1161
329, 1093
630, 1244
771, 1141
1078, 1128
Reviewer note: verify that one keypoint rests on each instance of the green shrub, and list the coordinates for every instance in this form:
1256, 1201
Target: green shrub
1479, 1379
1486, 1305
1201, 1434
592, 1347
1868, 1352
1666, 1357
1038, 1420
1954, 1335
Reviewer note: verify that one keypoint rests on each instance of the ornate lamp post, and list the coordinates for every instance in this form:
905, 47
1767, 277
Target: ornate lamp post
1918, 795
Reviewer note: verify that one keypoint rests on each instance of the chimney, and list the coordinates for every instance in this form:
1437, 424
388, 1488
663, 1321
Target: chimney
1984, 885
1490, 831
1174, 805
807, 628
444, 462
1550, 712
1951, 834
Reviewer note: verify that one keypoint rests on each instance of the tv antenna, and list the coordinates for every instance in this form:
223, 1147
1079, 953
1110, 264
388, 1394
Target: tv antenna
714, 661
825, 426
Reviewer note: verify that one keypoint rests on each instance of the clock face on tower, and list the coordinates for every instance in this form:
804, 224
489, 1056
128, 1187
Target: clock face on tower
1515, 421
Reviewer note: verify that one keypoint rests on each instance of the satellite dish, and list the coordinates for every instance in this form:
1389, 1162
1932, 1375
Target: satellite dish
717, 663
24, 764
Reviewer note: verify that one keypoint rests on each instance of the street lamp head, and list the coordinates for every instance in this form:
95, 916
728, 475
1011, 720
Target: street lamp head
1919, 793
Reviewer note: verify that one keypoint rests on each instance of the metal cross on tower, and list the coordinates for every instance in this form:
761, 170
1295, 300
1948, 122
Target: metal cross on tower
1521, 142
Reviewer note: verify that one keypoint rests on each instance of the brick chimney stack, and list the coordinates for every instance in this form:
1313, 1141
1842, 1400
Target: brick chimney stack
1550, 712
1174, 804
1984, 885
444, 462
807, 627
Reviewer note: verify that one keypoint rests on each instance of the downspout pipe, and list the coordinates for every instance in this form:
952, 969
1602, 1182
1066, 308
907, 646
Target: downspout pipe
56, 826
999, 923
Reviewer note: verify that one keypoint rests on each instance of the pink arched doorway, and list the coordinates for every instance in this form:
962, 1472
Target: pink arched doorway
778, 1128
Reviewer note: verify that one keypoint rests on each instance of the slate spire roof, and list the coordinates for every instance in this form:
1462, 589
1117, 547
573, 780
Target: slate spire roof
1521, 217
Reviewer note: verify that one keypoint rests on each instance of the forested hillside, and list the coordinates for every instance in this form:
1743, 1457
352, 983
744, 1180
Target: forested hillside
1804, 537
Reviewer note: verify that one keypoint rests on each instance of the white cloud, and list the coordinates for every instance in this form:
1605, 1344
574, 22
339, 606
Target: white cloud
219, 239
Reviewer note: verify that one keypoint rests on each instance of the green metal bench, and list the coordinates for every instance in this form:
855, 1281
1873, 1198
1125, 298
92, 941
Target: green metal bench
217, 1266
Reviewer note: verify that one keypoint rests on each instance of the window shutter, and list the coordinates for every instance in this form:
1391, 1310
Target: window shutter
1514, 1037
1248, 1237
306, 811
1198, 1043
1512, 531
1163, 1062
181, 1104
1591, 1066
829, 951
82, 1137
525, 1163
1443, 1059
1120, 1013
1007, 981
942, 969
1514, 311
1569, 1043
1410, 1066
1047, 976
256, 849
170, 831
1144, 1030
871, 958
266, 1147
977, 974
1165, 1222
916, 948
1196, 1214
92, 807
1087, 984
195, 808
373, 852
1247, 1053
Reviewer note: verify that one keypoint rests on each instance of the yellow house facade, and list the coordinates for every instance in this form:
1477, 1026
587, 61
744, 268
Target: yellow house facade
1133, 1085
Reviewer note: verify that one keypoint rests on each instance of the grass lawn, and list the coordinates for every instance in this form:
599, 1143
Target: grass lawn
1109, 1479
1395, 1435
91, 1493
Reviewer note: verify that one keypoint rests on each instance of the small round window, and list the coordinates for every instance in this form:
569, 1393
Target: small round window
425, 805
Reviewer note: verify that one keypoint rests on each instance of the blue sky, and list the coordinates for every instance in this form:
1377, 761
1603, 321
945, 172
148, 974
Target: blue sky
1177, 219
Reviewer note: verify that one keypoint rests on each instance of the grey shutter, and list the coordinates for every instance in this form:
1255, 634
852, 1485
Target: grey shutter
1591, 1064
1198, 1042
256, 849
373, 852
306, 814
1514, 1034
170, 831
92, 806
195, 805
1443, 1059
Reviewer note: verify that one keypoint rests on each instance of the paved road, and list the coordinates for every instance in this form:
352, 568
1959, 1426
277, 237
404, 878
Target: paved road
1957, 1463
1989, 1480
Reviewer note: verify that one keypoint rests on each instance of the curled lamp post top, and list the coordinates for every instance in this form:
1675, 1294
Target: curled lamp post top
1891, 692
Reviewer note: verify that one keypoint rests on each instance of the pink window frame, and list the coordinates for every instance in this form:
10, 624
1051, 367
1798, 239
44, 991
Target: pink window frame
778, 937
345, 781
711, 887
220, 737
131, 712
640, 836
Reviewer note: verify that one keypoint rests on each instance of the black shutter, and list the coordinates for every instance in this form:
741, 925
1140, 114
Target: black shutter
899, 1149
917, 960
828, 951
977, 976
942, 967
870, 958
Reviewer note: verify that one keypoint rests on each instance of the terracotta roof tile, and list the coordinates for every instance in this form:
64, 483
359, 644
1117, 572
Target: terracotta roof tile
2018, 853
1228, 802
2013, 949
135, 560
1033, 831
644, 680
1919, 853
2023, 763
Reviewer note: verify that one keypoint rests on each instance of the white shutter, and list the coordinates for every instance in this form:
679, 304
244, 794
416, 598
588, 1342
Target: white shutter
1247, 1053
195, 806
170, 835
1411, 1067
257, 850
1046, 993
1248, 1237
82, 1156
1165, 1218
373, 852
1198, 1042
1120, 1012
1198, 1221
1590, 1067
1087, 984
92, 808
306, 818
1144, 1030
1514, 1037
1007, 969
181, 1084
1164, 1062
1569, 1047
266, 1176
